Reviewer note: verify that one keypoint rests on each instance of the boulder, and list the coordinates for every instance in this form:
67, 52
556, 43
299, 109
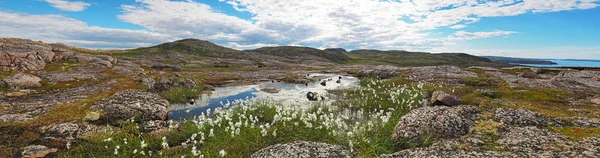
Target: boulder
537, 70
437, 121
129, 103
270, 90
37, 151
22, 81
209, 88
53, 142
101, 62
189, 83
303, 149
519, 117
443, 98
528, 74
314, 96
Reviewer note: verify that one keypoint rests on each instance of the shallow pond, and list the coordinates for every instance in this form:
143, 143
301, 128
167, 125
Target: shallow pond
294, 93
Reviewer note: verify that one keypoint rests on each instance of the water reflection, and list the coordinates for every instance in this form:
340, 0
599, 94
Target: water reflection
294, 93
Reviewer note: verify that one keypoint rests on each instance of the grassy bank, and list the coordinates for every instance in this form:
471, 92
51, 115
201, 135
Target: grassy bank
363, 122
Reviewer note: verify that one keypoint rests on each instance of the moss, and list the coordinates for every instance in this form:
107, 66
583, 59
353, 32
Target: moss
488, 128
478, 82
577, 133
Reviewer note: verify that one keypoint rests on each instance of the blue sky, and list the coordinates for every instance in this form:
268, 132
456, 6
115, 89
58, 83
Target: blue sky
516, 28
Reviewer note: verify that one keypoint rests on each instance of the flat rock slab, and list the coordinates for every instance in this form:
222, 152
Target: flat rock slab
37, 151
132, 103
302, 149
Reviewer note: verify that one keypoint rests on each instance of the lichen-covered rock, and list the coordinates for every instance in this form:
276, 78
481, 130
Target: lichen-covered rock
24, 55
63, 130
535, 142
379, 73
596, 101
129, 103
37, 151
22, 81
442, 152
519, 117
302, 149
443, 98
441, 121
528, 75
585, 122
448, 72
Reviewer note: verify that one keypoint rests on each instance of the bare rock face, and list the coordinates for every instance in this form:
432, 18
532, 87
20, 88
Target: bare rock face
37, 151
64, 130
379, 73
302, 149
270, 90
596, 101
528, 75
442, 121
520, 117
22, 81
443, 98
428, 73
129, 103
24, 55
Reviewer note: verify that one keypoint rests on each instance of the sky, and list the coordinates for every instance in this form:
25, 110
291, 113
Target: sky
514, 28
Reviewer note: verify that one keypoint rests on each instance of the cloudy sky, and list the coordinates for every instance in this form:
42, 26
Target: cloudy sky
517, 28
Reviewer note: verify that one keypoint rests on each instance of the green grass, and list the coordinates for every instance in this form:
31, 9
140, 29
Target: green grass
181, 94
577, 133
368, 136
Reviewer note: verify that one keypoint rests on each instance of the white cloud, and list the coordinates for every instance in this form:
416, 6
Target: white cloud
351, 24
57, 28
65, 5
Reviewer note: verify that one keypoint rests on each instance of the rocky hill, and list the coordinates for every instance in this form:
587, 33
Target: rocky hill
405, 58
303, 53
509, 60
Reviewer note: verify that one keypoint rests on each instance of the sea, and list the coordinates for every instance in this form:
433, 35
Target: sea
569, 63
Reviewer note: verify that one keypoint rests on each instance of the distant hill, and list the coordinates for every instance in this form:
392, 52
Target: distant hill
337, 50
406, 58
509, 60
303, 53
193, 47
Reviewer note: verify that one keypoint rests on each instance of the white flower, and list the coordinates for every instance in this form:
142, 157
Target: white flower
164, 143
222, 153
143, 144
107, 139
212, 134
135, 151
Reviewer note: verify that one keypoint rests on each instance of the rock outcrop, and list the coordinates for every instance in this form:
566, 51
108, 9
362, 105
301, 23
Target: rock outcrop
21, 81
35, 151
24, 55
520, 117
302, 149
443, 98
379, 73
440, 121
129, 103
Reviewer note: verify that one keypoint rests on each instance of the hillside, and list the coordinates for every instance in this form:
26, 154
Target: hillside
509, 60
192, 47
303, 53
405, 58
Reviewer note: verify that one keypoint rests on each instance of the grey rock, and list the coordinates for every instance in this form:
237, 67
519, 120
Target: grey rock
537, 70
209, 88
101, 62
147, 82
24, 55
22, 81
164, 67
314, 96
440, 121
585, 122
53, 142
63, 130
446, 72
189, 83
269, 90
596, 101
528, 75
379, 73
443, 98
519, 117
128, 71
37, 151
302, 149
129, 103
68, 76
447, 152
